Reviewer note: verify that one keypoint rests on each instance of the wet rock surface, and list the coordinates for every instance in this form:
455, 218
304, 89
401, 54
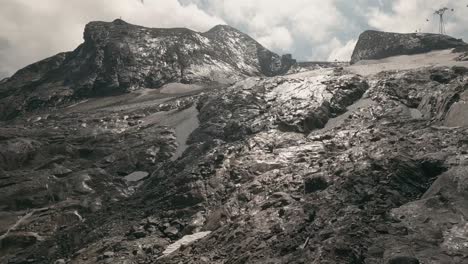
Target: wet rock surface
324, 166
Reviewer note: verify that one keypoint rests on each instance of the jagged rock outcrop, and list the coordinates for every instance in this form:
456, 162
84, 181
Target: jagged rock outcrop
374, 45
118, 57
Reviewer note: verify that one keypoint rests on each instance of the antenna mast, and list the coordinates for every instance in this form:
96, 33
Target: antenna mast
441, 13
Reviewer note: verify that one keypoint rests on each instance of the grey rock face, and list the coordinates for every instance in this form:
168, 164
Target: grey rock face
58, 167
374, 45
118, 57
289, 104
374, 187
349, 194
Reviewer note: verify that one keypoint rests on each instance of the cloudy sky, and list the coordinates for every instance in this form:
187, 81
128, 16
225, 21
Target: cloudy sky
31, 30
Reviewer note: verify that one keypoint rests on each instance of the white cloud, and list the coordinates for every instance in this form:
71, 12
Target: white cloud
33, 30
279, 24
278, 38
343, 52
410, 15
327, 29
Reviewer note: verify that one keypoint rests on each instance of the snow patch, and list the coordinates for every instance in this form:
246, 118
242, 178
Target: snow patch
185, 241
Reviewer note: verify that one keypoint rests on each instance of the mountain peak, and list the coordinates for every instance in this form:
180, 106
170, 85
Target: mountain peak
222, 27
226, 31
119, 21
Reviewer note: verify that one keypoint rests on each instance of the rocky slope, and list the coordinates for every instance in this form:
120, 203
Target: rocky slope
374, 45
322, 166
118, 57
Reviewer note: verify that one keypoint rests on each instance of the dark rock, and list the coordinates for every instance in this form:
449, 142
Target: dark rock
315, 184
460, 70
139, 234
403, 260
442, 76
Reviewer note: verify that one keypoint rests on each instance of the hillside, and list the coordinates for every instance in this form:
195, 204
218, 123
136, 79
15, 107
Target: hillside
358, 164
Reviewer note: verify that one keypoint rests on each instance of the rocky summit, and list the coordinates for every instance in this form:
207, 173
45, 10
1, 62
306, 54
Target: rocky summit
172, 146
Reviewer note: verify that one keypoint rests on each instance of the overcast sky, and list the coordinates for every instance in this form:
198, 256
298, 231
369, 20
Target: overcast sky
31, 30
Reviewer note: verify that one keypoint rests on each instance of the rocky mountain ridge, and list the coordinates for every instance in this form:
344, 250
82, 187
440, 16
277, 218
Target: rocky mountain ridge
374, 45
118, 57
